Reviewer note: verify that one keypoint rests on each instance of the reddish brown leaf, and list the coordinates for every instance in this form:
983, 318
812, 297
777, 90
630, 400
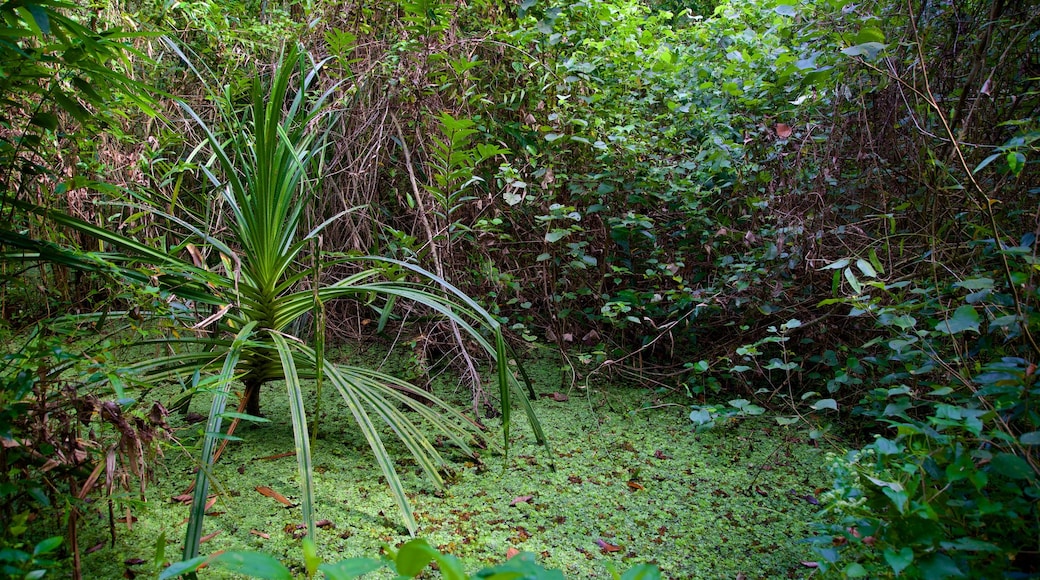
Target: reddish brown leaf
209, 537
521, 499
560, 397
266, 491
634, 486
260, 534
184, 498
607, 547
95, 548
660, 454
325, 524
574, 479
511, 552
783, 130
278, 456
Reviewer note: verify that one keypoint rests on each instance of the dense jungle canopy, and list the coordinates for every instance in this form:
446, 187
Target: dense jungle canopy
815, 217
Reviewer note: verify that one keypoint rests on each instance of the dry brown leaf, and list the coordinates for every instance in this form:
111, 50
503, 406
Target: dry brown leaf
783, 130
511, 552
266, 491
278, 456
521, 499
634, 486
209, 537
260, 534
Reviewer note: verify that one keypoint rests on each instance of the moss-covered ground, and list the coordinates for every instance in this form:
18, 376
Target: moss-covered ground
632, 484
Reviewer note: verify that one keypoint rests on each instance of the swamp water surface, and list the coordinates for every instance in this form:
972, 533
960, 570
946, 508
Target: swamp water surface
631, 485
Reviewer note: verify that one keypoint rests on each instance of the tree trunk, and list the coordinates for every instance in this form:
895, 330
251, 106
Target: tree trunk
252, 397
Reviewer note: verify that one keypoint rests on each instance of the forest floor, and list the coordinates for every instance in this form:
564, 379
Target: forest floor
632, 484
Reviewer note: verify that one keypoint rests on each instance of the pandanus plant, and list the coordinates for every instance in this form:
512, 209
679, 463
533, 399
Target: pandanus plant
261, 165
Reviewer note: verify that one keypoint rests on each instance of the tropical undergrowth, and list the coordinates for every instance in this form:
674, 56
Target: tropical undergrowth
824, 212
632, 486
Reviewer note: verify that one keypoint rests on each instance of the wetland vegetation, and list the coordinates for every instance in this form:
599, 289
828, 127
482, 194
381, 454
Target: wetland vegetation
592, 289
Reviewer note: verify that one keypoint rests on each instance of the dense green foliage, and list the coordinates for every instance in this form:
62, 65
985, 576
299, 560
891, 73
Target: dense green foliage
825, 211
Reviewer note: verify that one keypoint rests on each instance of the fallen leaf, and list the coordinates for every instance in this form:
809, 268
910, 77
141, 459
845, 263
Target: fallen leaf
741, 576
209, 537
810, 564
660, 454
511, 552
634, 486
260, 534
278, 456
95, 547
574, 479
266, 491
192, 418
325, 524
183, 498
607, 547
560, 397
134, 561
783, 130
521, 499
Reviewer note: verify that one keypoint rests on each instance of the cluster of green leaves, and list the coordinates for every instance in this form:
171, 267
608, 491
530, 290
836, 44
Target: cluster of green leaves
950, 486
409, 561
258, 161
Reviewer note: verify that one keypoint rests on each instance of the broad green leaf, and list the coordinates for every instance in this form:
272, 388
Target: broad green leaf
45, 120
869, 34
963, 319
1016, 162
1011, 466
47, 546
867, 50
939, 567
898, 561
642, 572
255, 565
825, 404
852, 280
413, 557
836, 265
350, 568
866, 267
785, 10
1031, 438
556, 235
975, 284
40, 17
